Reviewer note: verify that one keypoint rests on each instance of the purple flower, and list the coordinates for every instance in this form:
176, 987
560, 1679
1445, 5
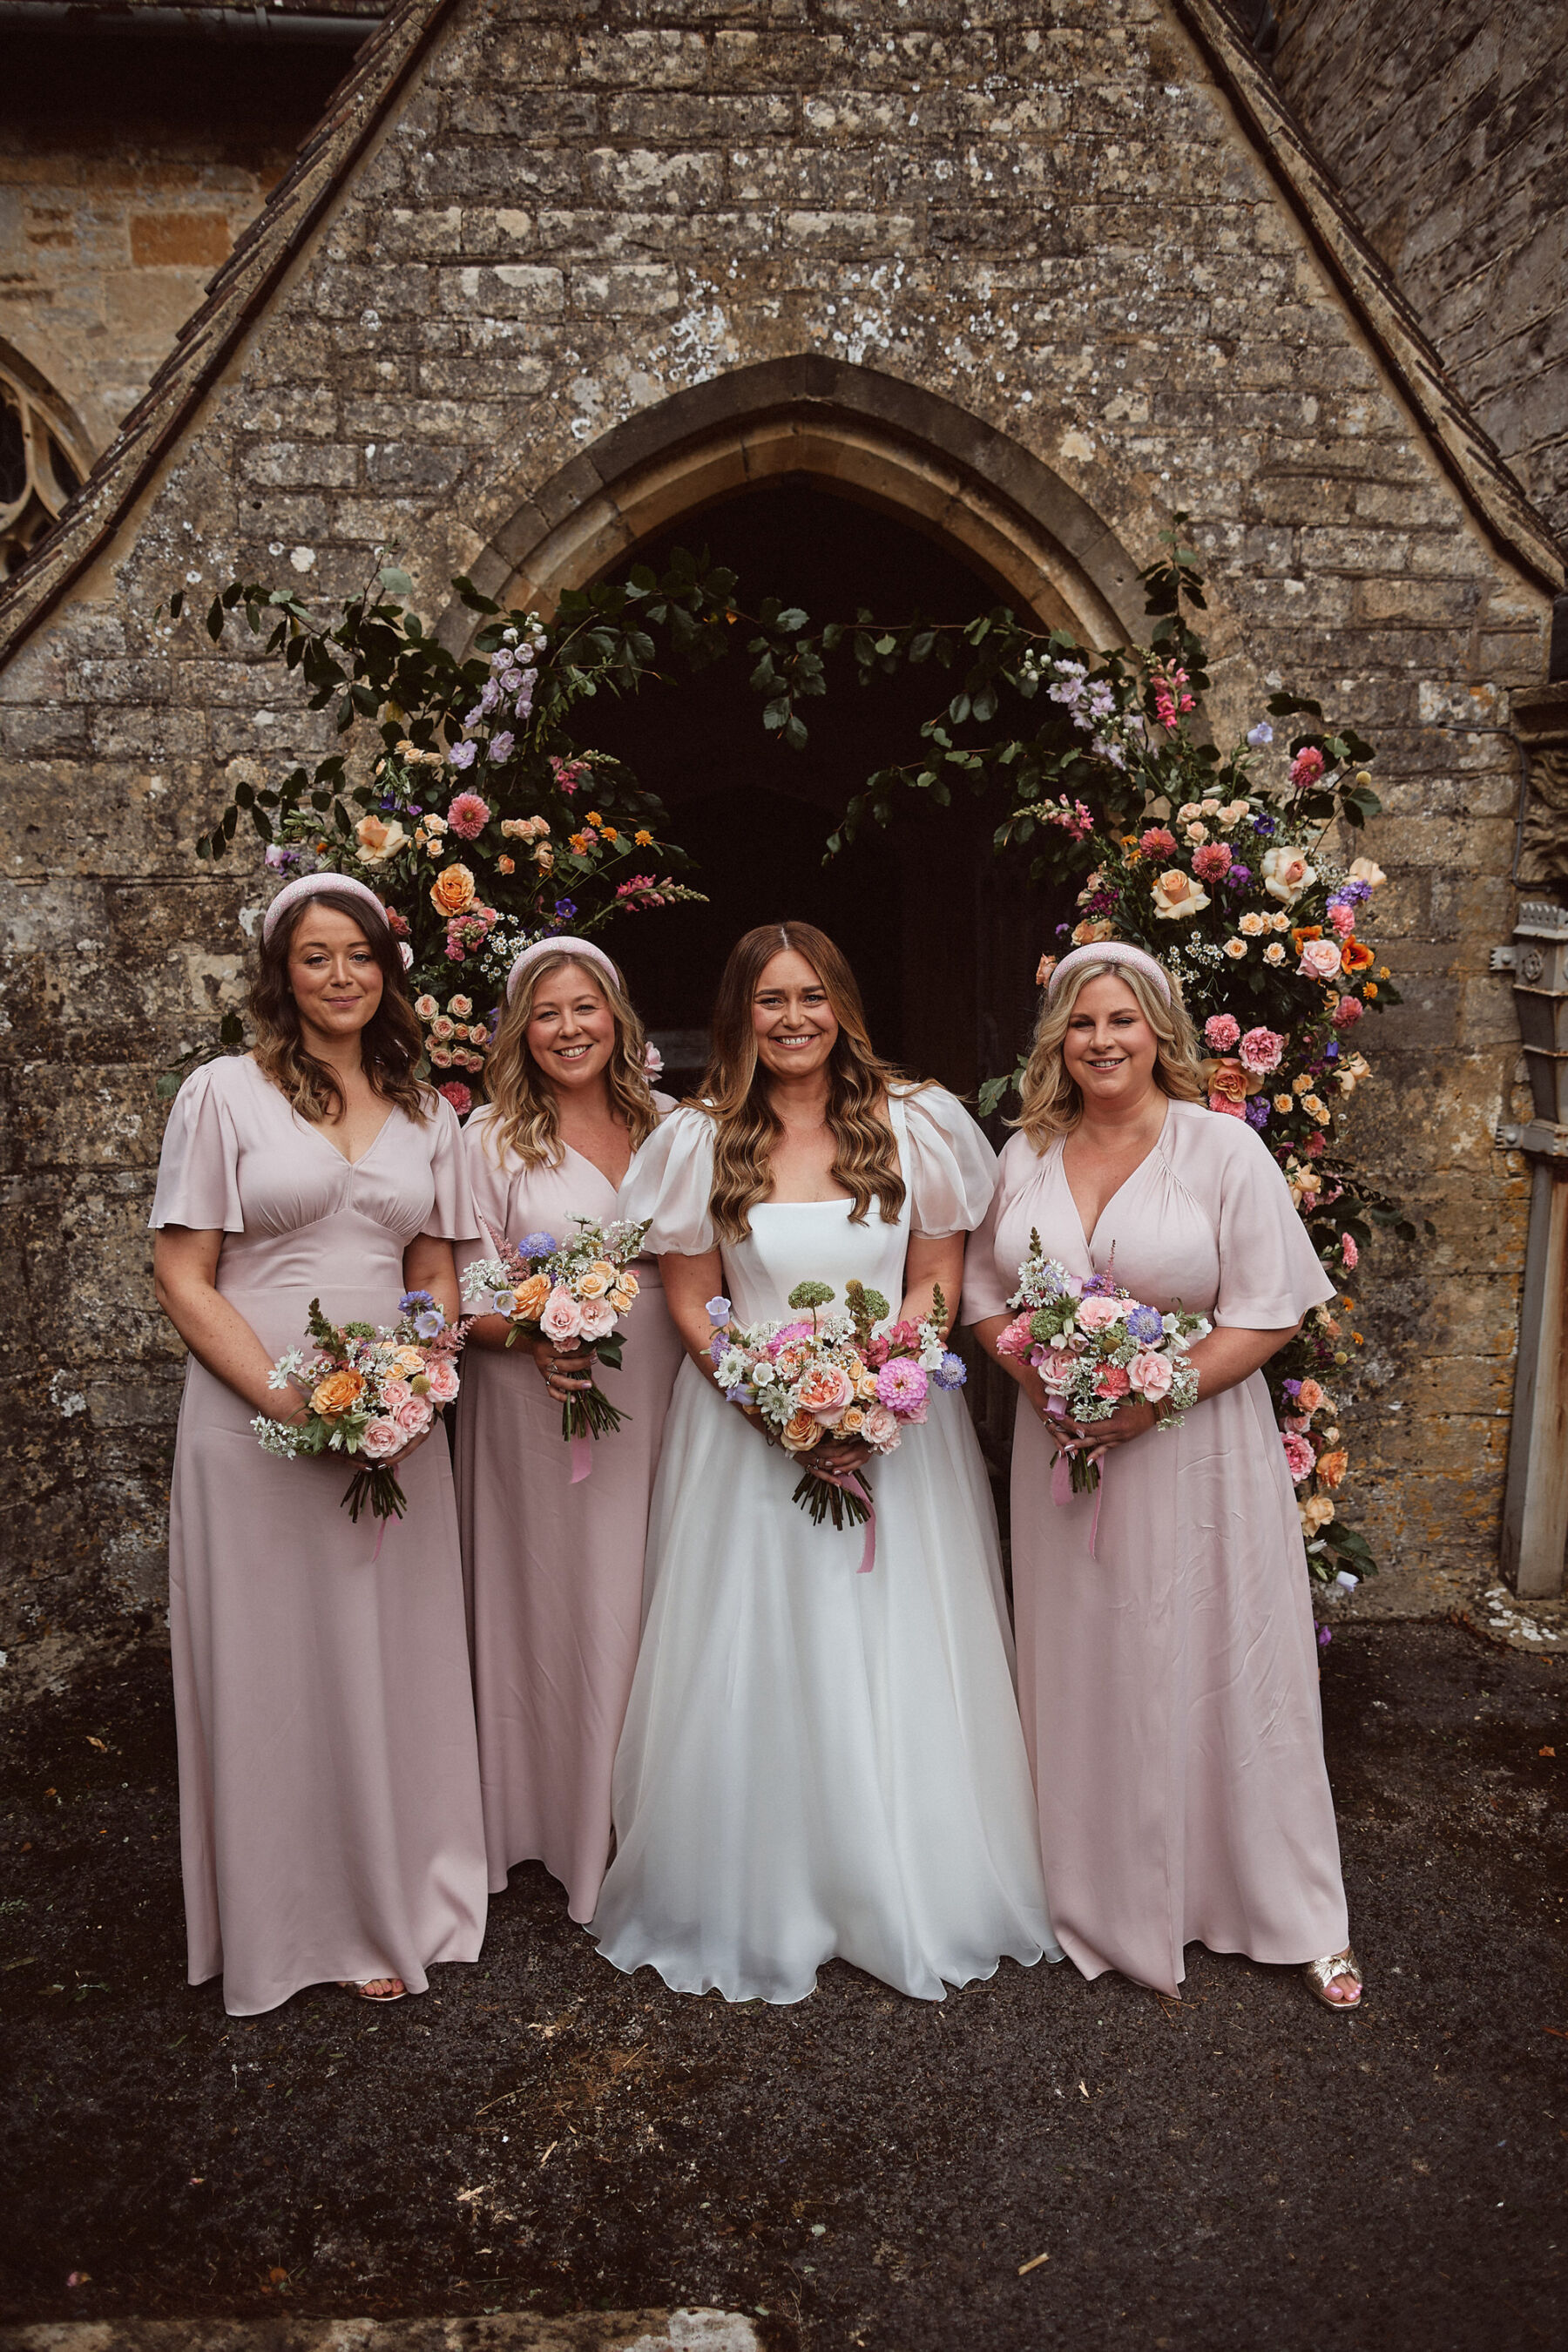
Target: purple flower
565, 909
1256, 1112
1144, 1323
413, 1300
511, 681
1238, 878
1325, 1637
1332, 1050
284, 861
533, 1245
1260, 734
951, 1372
717, 1310
1264, 824
1291, 1388
430, 1324
502, 746
462, 755
491, 696
525, 700
901, 1385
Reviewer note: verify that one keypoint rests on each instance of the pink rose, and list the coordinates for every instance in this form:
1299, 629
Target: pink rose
1310, 1396
1347, 1013
1299, 1457
1098, 1313
442, 1382
382, 1438
1220, 1033
881, 1429
1262, 1049
563, 1317
1111, 1380
1150, 1375
1056, 1367
394, 1392
1016, 1340
826, 1391
413, 1418
1319, 959
597, 1319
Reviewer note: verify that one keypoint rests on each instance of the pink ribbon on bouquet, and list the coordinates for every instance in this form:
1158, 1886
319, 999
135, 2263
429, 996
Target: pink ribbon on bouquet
850, 1481
1061, 1477
582, 1458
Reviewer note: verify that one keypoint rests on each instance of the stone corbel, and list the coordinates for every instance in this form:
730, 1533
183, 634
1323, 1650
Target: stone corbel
1540, 727
1535, 1501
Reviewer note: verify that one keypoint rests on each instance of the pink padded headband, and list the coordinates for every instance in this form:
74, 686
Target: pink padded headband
1111, 951
311, 886
578, 950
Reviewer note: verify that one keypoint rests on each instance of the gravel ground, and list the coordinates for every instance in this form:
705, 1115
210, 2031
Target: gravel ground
539, 2133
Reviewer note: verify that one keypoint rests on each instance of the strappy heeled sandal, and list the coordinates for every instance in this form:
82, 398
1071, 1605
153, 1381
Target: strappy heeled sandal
1321, 1974
348, 1984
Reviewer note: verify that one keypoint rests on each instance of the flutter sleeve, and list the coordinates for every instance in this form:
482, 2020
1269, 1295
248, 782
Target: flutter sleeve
670, 1182
491, 1184
952, 1169
451, 1217
198, 1170
987, 1286
1269, 1274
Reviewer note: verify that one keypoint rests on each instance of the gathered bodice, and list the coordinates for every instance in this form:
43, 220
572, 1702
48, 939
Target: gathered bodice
814, 1240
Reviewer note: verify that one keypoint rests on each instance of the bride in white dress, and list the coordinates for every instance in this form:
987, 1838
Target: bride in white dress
815, 1762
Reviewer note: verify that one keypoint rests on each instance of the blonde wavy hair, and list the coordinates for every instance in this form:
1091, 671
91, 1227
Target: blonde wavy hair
736, 1088
524, 1117
1052, 1103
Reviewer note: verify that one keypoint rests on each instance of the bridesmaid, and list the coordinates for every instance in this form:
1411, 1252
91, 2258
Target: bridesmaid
1168, 1681
329, 1778
554, 1568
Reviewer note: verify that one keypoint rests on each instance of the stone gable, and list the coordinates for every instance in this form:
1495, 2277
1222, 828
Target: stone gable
1060, 222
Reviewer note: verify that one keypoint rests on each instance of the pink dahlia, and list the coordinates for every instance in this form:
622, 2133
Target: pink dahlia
1213, 862
901, 1386
1306, 768
468, 815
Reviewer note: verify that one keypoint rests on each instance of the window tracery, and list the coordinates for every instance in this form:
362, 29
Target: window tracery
42, 461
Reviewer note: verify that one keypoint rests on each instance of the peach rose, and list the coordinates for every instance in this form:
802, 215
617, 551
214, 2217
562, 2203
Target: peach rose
1177, 895
563, 1317
1331, 1467
337, 1394
1286, 873
624, 1294
853, 1423
1310, 1396
382, 1438
801, 1432
598, 1319
1319, 959
824, 1392
881, 1429
379, 839
532, 1298
1085, 933
452, 891
1230, 1081
595, 1281
1367, 870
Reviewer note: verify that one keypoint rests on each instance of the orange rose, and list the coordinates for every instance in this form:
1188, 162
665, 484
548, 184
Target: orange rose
596, 1281
1331, 1467
1310, 1396
452, 891
801, 1432
532, 1297
1228, 1079
337, 1394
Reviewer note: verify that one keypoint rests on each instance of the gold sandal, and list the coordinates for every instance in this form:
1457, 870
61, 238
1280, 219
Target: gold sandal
1321, 1974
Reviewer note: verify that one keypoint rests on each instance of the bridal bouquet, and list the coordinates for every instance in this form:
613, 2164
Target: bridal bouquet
570, 1293
1094, 1345
850, 1375
370, 1392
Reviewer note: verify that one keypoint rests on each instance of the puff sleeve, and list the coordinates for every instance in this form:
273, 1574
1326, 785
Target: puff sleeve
451, 1217
198, 1170
491, 1184
952, 1169
670, 1182
1269, 1274
987, 1288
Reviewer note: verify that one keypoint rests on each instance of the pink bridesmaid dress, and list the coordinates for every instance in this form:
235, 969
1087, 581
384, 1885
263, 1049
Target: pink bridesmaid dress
329, 1780
1168, 1681
554, 1570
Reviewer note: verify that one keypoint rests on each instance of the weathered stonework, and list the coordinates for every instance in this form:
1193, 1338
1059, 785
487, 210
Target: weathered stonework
1060, 221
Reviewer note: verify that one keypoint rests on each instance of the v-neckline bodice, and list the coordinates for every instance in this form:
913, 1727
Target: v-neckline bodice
1153, 1153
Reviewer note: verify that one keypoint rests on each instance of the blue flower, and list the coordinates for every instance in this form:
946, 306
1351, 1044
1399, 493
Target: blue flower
1261, 824
430, 1324
1260, 734
1145, 1324
951, 1372
740, 1394
537, 1245
413, 1300
565, 909
717, 1310
1332, 1050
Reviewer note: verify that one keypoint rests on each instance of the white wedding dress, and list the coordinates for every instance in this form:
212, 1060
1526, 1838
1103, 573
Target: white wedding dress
818, 1762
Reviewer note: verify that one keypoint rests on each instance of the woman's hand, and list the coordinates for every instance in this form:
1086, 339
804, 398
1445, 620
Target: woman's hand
565, 1370
837, 1457
392, 1461
1133, 1418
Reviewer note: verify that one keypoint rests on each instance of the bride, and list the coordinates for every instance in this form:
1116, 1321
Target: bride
815, 1762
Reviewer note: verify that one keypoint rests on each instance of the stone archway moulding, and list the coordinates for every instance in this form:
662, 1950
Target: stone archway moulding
869, 436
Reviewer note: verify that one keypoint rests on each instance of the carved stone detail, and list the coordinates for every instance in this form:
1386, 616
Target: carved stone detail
1541, 723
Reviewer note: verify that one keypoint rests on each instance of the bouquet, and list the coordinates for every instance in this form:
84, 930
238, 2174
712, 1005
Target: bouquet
1094, 1345
370, 1392
566, 1292
851, 1375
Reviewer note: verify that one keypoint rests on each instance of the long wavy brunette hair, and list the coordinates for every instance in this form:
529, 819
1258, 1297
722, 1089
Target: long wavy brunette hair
1053, 1105
524, 1119
390, 1043
735, 1089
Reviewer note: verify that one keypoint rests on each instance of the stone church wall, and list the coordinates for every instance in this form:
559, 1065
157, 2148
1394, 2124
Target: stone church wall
1043, 211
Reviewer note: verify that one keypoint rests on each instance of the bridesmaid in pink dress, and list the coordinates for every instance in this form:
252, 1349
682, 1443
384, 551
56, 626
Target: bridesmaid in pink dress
1167, 1678
329, 1778
554, 1570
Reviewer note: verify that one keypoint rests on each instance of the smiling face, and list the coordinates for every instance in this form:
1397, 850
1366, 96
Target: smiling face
333, 975
1109, 1050
793, 1023
570, 1029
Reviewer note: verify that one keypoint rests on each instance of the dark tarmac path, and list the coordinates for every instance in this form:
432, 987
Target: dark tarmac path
539, 2133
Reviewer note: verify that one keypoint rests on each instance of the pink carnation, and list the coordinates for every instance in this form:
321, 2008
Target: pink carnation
1306, 768
468, 815
1300, 1457
1213, 862
1347, 1011
1220, 1033
458, 1095
1223, 1103
1342, 919
1111, 1380
1349, 1254
1261, 1049
1016, 1340
382, 1438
